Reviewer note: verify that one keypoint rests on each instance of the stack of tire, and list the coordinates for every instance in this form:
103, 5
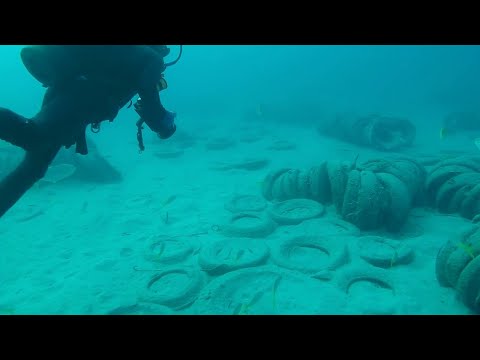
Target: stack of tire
453, 186
372, 195
458, 266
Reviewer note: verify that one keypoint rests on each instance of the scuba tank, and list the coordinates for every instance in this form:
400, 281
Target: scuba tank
50, 64
53, 64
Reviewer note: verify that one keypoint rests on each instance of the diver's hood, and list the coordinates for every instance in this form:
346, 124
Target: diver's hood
162, 50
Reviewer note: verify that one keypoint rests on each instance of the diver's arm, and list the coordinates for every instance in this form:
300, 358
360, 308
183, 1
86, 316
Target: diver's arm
154, 114
150, 107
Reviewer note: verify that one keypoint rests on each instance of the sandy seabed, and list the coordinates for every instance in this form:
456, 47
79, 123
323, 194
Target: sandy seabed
80, 249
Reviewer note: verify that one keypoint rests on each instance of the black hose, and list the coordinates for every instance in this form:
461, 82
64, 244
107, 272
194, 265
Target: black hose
176, 60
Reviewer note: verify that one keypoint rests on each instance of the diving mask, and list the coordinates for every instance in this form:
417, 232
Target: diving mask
162, 84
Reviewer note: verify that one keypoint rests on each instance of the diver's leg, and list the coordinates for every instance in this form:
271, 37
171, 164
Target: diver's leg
31, 169
18, 130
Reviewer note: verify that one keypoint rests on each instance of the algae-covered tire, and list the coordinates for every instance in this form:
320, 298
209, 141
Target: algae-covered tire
303, 185
472, 163
429, 160
400, 201
167, 250
249, 224
267, 290
468, 285
176, 287
455, 204
438, 177
294, 211
227, 255
372, 200
320, 184
470, 205
269, 182
310, 254
467, 248
141, 309
338, 176
283, 188
407, 170
278, 194
383, 252
329, 226
289, 184
441, 263
447, 190
350, 198
412, 173
245, 203
349, 275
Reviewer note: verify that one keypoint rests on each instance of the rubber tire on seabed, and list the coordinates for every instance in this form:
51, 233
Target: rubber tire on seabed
269, 182
335, 248
400, 201
319, 184
460, 258
468, 285
249, 253
179, 297
283, 212
261, 228
394, 252
338, 227
181, 250
338, 176
245, 203
350, 275
441, 263
448, 189
273, 289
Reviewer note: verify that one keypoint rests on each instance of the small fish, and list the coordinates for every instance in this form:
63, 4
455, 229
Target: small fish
259, 111
477, 143
169, 200
443, 133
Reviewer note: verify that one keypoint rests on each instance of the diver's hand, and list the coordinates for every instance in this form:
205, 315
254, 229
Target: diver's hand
165, 127
168, 126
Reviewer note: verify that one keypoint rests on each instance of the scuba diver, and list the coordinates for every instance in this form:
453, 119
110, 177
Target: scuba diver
86, 85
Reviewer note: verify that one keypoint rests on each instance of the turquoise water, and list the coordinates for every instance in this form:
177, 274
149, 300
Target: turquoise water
373, 212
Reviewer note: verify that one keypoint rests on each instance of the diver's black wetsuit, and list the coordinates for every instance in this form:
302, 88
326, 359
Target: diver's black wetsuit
106, 78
